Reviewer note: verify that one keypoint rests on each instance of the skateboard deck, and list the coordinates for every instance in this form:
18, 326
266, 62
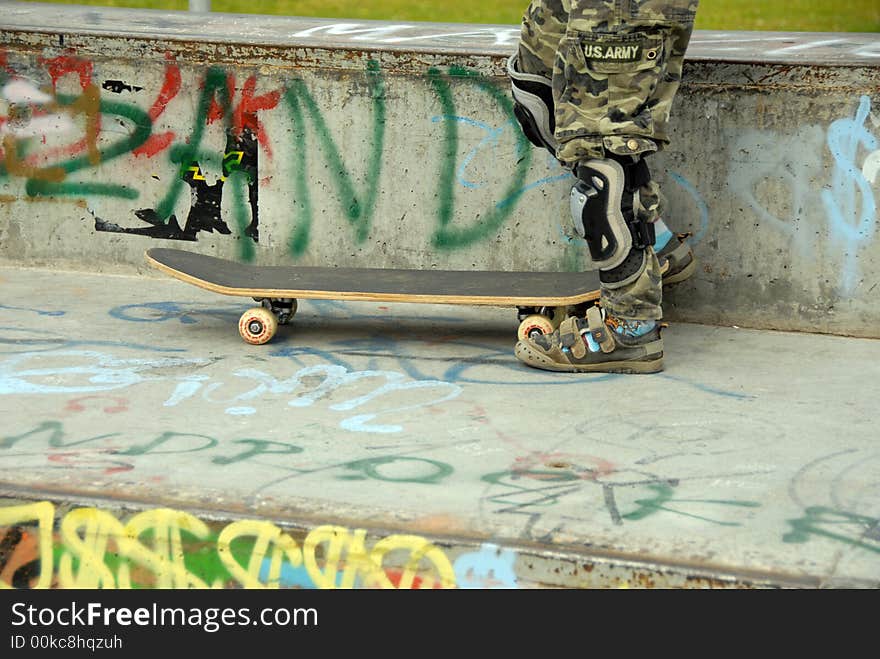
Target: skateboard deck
541, 298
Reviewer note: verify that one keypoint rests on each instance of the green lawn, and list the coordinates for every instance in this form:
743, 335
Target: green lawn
787, 15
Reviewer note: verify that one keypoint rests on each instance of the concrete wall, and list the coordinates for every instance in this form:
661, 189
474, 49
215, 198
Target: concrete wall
289, 140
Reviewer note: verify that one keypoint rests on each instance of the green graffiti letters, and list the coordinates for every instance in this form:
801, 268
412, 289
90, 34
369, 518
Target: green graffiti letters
849, 528
427, 472
301, 104
355, 186
664, 496
447, 236
257, 447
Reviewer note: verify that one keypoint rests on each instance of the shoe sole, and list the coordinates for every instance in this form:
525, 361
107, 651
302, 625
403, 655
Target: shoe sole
685, 273
536, 359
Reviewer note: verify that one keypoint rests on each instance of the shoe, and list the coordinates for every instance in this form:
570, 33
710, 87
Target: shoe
595, 344
682, 262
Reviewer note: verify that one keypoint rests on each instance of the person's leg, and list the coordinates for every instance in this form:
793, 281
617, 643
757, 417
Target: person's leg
530, 70
531, 67
616, 71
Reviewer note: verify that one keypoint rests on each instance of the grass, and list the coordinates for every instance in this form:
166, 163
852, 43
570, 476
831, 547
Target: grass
783, 15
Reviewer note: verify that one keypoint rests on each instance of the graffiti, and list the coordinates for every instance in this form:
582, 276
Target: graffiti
726, 43
663, 496
240, 159
398, 34
170, 87
331, 379
34, 114
165, 548
434, 473
115, 406
39, 312
52, 440
448, 236
160, 312
37, 114
359, 212
848, 203
528, 491
848, 528
32, 373
703, 44
491, 567
47, 341
100, 372
700, 203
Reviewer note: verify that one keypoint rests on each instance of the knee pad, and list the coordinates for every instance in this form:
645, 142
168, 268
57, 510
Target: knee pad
603, 207
533, 106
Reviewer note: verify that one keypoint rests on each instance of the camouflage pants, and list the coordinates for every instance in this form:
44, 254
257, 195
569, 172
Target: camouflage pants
615, 67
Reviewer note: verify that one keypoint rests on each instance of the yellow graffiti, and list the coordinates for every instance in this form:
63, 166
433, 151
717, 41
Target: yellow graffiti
269, 540
89, 105
96, 550
196, 173
420, 550
89, 534
166, 557
44, 514
86, 534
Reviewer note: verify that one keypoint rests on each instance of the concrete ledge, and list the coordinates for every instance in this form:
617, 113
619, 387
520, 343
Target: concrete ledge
393, 146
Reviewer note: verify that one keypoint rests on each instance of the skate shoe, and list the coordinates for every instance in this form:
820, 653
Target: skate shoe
596, 344
682, 262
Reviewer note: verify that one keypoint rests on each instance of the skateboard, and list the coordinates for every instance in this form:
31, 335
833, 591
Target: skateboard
541, 299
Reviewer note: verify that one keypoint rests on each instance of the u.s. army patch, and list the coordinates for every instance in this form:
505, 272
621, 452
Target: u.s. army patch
613, 52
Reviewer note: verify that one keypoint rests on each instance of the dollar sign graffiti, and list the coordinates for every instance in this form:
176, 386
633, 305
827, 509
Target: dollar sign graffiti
851, 219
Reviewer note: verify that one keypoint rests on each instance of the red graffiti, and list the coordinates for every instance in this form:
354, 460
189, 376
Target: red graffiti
117, 404
244, 115
394, 576
170, 87
215, 110
155, 144
60, 66
169, 90
5, 63
57, 153
85, 461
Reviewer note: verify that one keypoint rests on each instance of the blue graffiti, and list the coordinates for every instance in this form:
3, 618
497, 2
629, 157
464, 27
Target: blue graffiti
51, 342
850, 203
160, 312
294, 577
554, 165
491, 567
25, 373
492, 138
39, 312
703, 207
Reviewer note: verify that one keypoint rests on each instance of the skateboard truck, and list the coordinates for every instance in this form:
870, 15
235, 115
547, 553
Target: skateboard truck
283, 308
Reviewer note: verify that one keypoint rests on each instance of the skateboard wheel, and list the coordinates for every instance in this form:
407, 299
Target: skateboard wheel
257, 326
534, 325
